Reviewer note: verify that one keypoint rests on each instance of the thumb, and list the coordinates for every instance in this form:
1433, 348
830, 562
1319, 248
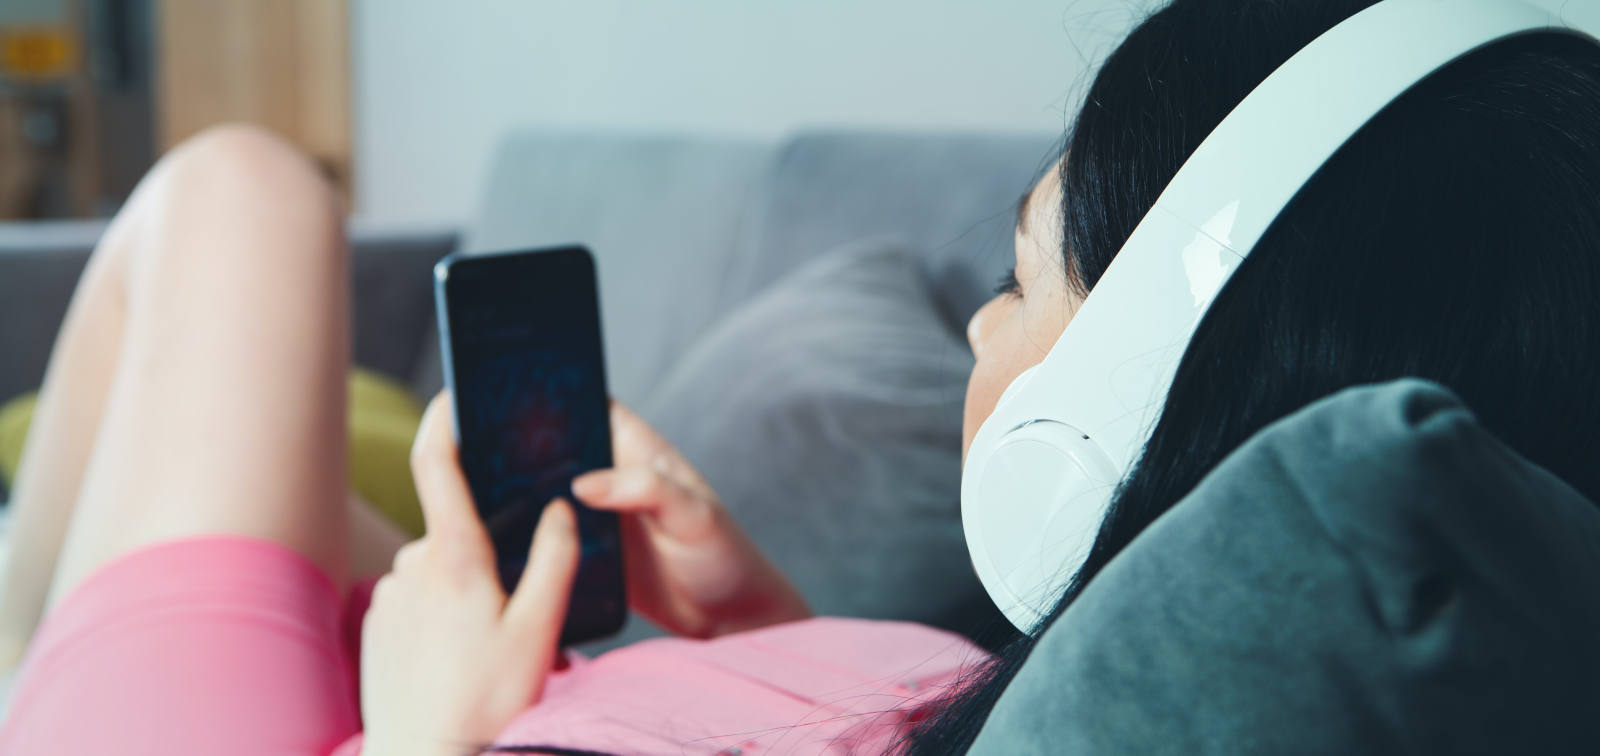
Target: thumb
538, 606
447, 507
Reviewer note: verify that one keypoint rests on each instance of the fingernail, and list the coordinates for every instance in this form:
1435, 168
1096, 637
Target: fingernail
593, 485
549, 512
632, 485
552, 523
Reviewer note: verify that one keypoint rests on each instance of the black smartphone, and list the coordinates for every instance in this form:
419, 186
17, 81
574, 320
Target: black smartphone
520, 337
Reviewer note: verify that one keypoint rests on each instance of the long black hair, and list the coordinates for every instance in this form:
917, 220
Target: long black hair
1456, 238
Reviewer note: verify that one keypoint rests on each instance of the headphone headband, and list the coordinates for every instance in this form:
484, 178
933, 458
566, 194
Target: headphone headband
1041, 470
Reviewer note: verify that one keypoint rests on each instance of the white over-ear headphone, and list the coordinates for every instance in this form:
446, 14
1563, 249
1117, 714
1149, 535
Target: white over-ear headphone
1041, 470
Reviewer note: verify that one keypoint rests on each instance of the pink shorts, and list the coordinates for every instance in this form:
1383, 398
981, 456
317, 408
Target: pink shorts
238, 646
191, 647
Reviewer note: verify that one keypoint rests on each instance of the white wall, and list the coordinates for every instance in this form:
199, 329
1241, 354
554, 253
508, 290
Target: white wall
437, 81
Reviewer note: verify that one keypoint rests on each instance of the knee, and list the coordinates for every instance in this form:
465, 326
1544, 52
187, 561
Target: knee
243, 180
247, 163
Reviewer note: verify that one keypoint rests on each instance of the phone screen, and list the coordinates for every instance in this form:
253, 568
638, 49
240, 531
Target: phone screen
521, 339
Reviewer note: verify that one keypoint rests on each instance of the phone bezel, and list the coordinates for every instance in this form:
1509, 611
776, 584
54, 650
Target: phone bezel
450, 268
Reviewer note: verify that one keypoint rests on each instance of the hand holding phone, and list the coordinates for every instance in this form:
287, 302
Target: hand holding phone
690, 568
521, 345
447, 655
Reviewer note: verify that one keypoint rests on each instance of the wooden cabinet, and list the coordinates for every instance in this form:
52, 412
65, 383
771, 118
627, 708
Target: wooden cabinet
283, 64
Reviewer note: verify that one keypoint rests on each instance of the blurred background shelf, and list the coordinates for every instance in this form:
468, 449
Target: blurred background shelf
92, 90
283, 64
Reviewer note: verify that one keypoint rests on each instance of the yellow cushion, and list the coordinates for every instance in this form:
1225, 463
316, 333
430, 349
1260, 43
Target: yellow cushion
14, 417
383, 420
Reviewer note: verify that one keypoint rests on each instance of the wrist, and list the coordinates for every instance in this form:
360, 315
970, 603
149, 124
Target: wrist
764, 603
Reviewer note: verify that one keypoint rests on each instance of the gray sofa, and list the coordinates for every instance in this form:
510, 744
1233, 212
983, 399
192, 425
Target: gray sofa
687, 230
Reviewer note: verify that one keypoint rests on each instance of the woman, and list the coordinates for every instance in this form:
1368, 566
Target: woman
1453, 239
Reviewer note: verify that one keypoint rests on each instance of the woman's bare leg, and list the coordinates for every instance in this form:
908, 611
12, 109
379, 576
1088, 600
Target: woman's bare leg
225, 412
61, 435
198, 383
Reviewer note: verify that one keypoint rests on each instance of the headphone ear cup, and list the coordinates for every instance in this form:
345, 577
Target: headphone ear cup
1041, 497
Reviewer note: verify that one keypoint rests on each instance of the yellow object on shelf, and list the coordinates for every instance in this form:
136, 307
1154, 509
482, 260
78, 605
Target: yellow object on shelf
37, 52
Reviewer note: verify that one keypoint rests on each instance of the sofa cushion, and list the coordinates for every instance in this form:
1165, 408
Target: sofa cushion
827, 414
1374, 574
951, 196
661, 214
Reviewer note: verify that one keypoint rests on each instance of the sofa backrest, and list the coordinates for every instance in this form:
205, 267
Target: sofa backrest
951, 196
39, 265
661, 214
685, 228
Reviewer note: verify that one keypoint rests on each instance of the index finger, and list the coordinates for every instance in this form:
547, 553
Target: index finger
636, 444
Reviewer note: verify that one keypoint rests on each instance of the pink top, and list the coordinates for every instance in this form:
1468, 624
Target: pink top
818, 686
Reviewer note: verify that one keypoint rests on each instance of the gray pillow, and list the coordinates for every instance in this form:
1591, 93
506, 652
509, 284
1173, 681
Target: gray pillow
1374, 574
826, 412
950, 195
660, 212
